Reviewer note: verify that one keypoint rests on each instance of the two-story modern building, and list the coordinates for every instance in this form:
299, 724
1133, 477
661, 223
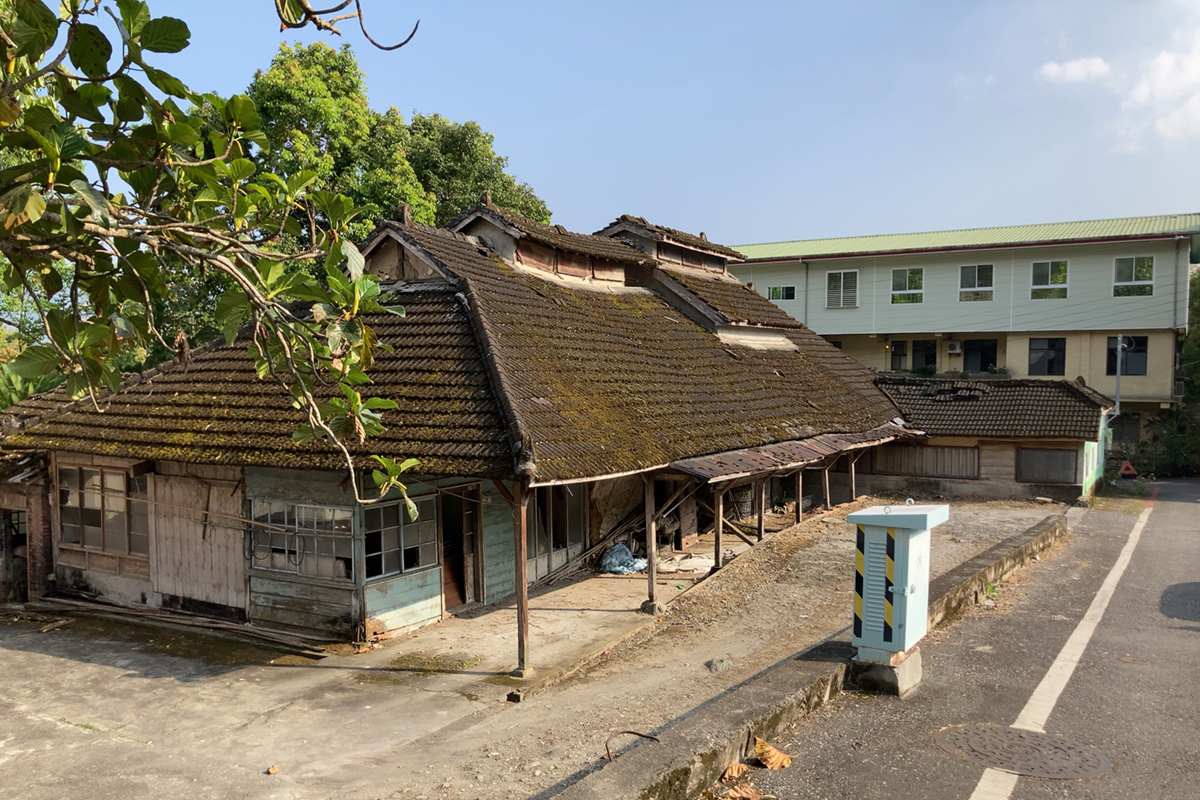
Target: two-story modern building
1051, 300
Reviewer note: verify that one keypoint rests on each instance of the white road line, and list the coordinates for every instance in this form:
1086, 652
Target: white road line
997, 785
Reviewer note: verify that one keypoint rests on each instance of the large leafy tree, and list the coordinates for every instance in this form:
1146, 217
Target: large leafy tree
116, 192
456, 163
313, 103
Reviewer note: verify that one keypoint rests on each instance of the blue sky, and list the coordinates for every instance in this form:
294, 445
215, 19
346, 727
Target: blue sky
766, 121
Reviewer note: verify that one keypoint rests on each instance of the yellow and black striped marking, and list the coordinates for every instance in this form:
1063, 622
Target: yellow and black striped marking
887, 586
858, 581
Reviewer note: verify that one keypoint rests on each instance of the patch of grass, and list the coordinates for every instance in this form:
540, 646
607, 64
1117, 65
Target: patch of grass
87, 726
426, 663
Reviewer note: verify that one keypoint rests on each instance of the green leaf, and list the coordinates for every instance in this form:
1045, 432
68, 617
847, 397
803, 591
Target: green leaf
167, 83
76, 104
355, 263
164, 35
300, 181
34, 361
375, 403
182, 134
94, 200
40, 118
90, 51
240, 109
135, 14
36, 28
232, 308
291, 11
241, 169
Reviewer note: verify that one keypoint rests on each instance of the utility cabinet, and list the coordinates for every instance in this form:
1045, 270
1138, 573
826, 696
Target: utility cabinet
891, 580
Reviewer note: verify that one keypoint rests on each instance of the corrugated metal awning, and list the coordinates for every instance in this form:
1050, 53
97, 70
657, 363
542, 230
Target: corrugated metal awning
784, 456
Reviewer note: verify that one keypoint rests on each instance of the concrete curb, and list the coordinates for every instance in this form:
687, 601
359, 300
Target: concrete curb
695, 750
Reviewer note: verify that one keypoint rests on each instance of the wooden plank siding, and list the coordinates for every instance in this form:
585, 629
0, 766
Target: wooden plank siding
200, 556
303, 604
928, 461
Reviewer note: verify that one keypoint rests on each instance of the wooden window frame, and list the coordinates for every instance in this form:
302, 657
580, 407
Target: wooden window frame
129, 498
269, 539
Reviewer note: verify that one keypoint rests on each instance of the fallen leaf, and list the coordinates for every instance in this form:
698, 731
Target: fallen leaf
271, 770
1129, 660
734, 771
746, 792
770, 755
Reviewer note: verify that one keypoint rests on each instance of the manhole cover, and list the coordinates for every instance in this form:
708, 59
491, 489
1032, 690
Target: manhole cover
1038, 755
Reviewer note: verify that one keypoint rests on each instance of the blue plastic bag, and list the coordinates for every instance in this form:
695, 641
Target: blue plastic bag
617, 560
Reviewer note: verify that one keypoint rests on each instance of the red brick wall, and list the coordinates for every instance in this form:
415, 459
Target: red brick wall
41, 545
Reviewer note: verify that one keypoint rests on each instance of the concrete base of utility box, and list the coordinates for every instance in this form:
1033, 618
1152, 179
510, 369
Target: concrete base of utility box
899, 677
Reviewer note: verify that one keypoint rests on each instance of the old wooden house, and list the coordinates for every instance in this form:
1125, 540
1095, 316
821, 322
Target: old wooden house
551, 383
1019, 438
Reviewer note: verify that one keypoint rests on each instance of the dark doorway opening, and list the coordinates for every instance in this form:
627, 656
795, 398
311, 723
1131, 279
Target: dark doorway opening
460, 536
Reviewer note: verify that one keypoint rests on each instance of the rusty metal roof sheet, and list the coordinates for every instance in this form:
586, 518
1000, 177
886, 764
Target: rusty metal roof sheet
784, 456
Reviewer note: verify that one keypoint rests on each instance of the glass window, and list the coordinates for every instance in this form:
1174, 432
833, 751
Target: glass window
303, 539
1134, 277
1133, 359
1048, 356
899, 355
841, 289
103, 509
1049, 280
908, 285
781, 293
975, 282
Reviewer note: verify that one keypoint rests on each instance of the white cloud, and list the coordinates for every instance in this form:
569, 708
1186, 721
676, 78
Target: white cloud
1081, 69
1167, 93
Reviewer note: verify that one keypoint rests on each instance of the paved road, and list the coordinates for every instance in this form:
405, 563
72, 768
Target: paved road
1135, 694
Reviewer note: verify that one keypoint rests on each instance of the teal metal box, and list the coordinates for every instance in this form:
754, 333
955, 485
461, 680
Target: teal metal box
891, 580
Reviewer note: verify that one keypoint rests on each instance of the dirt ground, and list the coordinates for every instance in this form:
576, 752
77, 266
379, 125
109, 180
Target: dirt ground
202, 730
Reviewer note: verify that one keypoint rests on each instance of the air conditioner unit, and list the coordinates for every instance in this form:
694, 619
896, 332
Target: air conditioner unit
954, 348
1179, 388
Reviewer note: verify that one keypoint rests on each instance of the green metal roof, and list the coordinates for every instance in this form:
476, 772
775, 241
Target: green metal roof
972, 238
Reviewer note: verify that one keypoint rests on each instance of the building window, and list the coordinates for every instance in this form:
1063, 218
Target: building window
899, 355
1049, 280
924, 356
315, 541
1047, 356
1042, 465
104, 509
781, 293
979, 355
1134, 277
396, 543
841, 289
975, 282
1133, 360
907, 285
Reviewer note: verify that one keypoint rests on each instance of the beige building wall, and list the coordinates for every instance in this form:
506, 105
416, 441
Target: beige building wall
1087, 357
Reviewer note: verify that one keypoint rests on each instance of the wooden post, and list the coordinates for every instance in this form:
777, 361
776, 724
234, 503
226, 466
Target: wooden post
825, 478
651, 539
719, 513
853, 484
520, 528
799, 495
762, 508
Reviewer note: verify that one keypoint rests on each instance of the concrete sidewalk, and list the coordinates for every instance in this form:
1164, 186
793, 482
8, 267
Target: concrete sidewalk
147, 712
693, 754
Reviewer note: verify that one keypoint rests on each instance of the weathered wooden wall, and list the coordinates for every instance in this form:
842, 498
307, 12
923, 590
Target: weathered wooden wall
403, 602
